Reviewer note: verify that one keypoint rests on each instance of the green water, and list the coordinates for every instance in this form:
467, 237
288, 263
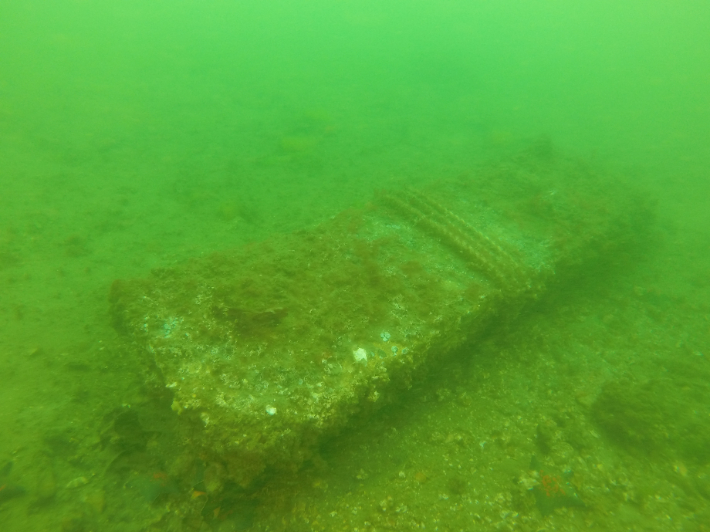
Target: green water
139, 134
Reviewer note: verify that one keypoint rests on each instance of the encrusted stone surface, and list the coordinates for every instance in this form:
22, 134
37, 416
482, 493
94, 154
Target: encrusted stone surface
270, 348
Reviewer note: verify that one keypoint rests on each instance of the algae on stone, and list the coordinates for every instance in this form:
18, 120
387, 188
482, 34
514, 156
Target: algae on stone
270, 348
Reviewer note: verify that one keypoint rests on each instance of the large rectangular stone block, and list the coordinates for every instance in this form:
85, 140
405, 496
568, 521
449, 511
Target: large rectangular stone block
270, 348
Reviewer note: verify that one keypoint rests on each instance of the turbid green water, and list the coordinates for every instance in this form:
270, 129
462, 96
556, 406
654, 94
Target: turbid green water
135, 135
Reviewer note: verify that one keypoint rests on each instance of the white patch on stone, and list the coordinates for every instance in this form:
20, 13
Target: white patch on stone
360, 355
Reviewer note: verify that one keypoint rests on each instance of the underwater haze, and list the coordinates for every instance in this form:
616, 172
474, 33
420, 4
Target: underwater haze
138, 135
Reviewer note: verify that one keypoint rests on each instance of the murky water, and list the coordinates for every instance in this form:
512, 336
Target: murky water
138, 135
